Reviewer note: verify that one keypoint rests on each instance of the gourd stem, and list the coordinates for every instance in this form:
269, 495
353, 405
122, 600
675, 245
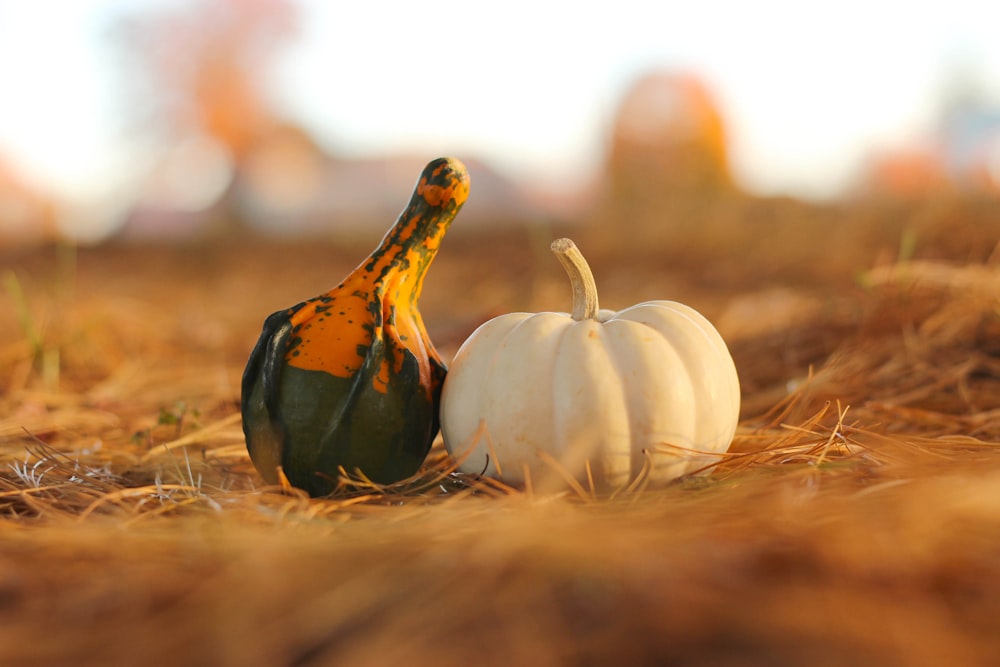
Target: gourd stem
585, 306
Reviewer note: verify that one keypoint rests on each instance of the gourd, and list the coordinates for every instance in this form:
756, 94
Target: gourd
595, 397
350, 380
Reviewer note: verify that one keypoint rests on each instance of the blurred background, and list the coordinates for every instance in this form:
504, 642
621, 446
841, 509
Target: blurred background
188, 119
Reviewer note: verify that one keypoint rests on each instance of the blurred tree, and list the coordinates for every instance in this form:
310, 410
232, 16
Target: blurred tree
196, 76
960, 156
969, 134
668, 140
26, 215
911, 172
667, 165
200, 65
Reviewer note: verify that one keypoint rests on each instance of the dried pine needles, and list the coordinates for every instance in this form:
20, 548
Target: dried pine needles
854, 520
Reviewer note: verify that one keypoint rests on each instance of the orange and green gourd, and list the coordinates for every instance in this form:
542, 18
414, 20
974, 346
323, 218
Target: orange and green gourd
350, 380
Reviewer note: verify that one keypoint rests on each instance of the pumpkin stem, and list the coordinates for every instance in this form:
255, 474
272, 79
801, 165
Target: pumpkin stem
585, 306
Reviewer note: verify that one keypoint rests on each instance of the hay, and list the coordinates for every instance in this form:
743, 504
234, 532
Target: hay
854, 521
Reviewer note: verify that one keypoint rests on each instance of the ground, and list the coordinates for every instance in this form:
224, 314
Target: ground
855, 521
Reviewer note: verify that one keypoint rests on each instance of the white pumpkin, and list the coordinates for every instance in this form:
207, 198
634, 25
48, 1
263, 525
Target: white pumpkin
600, 397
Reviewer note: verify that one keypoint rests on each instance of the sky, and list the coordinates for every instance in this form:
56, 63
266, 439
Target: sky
808, 90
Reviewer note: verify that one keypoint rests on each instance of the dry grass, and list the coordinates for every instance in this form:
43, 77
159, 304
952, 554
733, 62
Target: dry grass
855, 521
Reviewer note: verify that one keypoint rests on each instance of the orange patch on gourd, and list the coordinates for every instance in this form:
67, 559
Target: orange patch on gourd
439, 195
329, 332
333, 333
